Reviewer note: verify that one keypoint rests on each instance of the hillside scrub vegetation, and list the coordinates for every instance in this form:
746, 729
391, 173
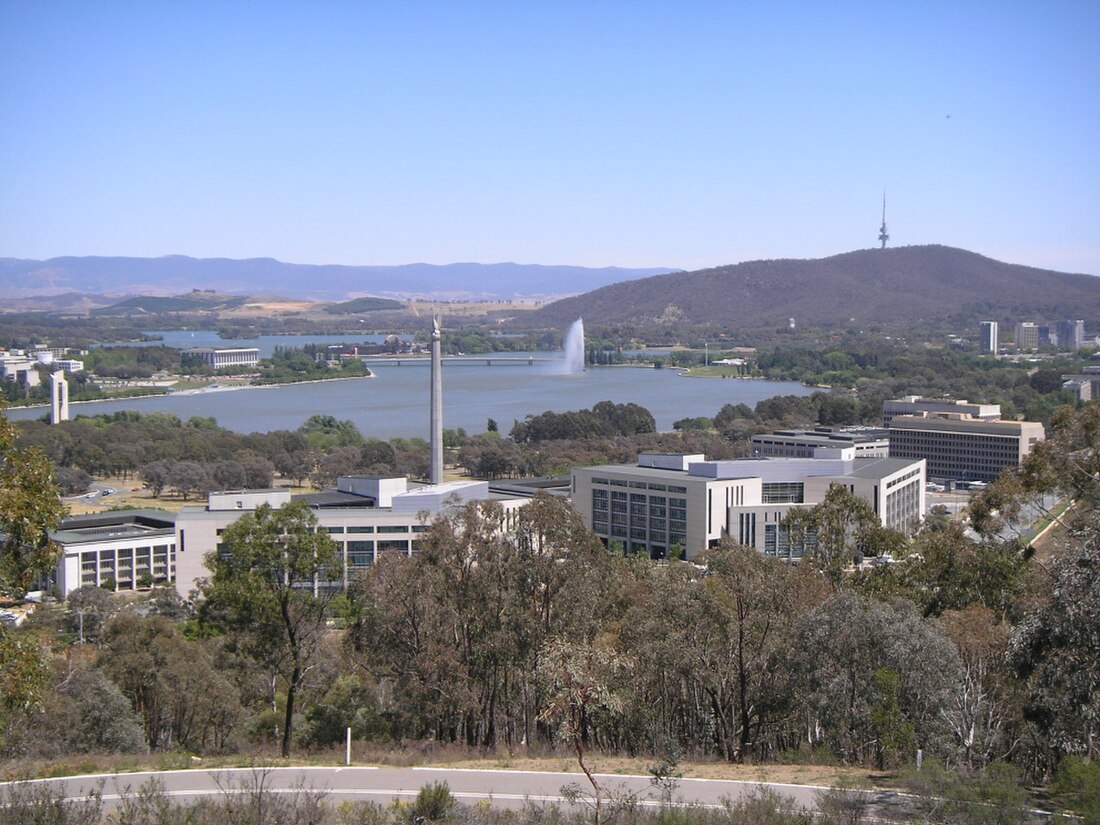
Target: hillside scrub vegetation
887, 287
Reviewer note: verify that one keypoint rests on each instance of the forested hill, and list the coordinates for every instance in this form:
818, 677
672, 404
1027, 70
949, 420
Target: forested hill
906, 285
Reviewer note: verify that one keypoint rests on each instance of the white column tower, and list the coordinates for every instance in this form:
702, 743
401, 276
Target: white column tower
59, 397
437, 404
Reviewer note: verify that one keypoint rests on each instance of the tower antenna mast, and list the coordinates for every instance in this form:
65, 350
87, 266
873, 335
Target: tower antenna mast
882, 234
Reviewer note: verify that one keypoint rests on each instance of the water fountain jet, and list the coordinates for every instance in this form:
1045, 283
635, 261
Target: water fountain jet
574, 347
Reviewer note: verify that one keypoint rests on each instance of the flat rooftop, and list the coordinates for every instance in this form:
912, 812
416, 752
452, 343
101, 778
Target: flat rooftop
120, 524
827, 437
865, 468
874, 468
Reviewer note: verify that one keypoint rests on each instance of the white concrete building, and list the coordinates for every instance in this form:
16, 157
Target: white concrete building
868, 442
219, 357
988, 343
916, 405
17, 366
121, 550
665, 501
369, 517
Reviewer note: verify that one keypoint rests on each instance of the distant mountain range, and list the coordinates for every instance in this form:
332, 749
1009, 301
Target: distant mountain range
175, 274
903, 286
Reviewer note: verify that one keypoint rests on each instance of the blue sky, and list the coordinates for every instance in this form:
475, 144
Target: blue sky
590, 133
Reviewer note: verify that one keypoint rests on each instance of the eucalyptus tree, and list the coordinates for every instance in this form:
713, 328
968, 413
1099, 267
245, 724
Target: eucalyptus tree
712, 640
985, 705
171, 682
458, 629
269, 586
400, 639
584, 685
567, 585
752, 601
24, 680
29, 508
1056, 651
91, 715
839, 531
873, 678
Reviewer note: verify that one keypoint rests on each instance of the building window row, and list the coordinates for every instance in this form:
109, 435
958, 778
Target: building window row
640, 485
127, 567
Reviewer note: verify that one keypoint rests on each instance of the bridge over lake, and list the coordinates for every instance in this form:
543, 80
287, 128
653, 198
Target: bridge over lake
458, 360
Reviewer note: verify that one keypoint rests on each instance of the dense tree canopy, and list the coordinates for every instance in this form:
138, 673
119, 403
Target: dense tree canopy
29, 509
267, 588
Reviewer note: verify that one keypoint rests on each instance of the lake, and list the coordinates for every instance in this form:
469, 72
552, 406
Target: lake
394, 403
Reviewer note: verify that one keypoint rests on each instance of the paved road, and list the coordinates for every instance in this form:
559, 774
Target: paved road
381, 785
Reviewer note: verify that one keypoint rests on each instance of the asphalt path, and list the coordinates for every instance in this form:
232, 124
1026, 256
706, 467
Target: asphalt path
503, 788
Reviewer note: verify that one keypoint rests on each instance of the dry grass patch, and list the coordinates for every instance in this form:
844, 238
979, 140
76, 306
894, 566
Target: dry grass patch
826, 775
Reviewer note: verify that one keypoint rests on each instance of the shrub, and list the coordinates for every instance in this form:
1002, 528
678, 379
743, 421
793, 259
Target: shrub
433, 803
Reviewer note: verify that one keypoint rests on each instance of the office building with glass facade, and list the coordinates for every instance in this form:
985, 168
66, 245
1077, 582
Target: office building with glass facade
666, 504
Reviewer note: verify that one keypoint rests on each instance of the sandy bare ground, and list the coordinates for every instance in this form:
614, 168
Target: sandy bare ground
268, 307
131, 493
473, 308
261, 309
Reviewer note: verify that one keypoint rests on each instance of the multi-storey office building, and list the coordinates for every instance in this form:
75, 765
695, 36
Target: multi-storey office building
1085, 386
961, 447
1071, 334
916, 405
369, 518
686, 502
988, 343
119, 550
868, 442
1027, 336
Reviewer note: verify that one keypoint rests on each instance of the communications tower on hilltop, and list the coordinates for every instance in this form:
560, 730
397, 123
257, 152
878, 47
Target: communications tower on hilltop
882, 234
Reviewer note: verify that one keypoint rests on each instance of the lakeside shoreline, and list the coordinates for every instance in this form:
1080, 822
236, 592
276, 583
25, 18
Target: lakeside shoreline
169, 393
396, 405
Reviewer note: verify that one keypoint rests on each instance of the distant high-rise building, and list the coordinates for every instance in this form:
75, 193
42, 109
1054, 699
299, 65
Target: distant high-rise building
989, 344
1048, 336
1027, 336
1071, 334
